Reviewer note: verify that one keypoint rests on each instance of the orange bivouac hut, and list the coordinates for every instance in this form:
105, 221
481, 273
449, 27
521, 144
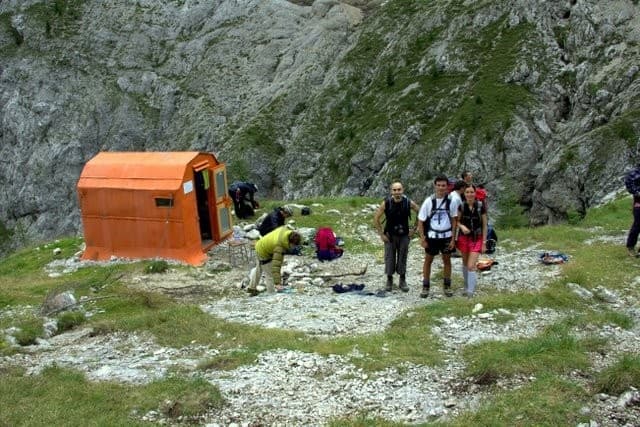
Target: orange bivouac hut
159, 204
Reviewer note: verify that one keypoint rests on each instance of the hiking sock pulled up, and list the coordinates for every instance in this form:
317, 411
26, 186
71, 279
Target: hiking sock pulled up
473, 280
465, 276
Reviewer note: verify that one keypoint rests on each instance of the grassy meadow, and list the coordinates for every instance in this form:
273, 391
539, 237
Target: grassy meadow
61, 396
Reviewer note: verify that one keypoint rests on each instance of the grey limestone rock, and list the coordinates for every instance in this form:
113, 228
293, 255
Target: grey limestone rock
282, 91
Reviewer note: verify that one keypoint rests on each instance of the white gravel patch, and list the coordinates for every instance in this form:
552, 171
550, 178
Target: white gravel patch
286, 387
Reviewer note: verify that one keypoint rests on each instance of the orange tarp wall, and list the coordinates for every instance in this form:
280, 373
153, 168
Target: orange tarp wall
153, 205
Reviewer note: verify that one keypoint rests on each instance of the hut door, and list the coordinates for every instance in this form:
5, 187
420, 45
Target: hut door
203, 186
222, 226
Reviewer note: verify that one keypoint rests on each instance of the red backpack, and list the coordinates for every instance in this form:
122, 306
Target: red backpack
451, 182
481, 195
325, 239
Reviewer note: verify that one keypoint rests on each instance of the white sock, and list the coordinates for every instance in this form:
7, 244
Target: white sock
473, 279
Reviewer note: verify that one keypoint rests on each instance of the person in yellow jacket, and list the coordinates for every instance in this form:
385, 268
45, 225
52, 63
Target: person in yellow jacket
270, 250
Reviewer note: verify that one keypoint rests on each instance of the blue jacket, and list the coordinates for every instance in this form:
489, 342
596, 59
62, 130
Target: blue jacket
245, 190
632, 182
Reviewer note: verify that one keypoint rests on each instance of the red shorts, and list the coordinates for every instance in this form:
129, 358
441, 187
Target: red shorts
468, 244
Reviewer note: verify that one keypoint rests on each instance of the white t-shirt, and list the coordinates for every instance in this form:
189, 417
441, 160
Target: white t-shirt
456, 200
440, 222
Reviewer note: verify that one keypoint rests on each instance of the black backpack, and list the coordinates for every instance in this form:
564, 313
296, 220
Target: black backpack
405, 210
434, 210
632, 180
475, 218
270, 223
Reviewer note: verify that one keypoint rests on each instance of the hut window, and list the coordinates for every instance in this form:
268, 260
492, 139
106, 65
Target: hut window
224, 215
163, 202
220, 188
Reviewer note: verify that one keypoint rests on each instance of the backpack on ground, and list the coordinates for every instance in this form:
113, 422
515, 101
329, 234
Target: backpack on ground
246, 209
485, 263
552, 258
492, 239
325, 239
327, 248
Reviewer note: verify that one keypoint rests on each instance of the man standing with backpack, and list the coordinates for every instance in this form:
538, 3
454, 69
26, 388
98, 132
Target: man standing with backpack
396, 234
437, 225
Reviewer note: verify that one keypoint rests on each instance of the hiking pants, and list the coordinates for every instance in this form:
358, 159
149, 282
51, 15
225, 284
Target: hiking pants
632, 239
256, 273
395, 255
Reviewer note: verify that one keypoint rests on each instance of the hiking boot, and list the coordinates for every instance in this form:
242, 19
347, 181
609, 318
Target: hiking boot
403, 285
252, 292
389, 285
425, 292
448, 292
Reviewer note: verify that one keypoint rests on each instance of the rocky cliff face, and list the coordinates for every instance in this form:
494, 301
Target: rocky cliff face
539, 99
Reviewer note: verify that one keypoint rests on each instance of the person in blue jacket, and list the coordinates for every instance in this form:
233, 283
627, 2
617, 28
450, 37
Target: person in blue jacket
632, 182
242, 194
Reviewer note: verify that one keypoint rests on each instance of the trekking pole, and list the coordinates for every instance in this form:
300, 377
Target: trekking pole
361, 272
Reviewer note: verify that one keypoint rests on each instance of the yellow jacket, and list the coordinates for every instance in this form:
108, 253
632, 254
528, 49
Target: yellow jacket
272, 247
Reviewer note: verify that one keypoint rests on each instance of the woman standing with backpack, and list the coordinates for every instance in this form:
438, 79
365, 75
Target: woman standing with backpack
472, 236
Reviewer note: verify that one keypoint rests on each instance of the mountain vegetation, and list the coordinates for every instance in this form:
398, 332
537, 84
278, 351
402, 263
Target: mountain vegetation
539, 99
